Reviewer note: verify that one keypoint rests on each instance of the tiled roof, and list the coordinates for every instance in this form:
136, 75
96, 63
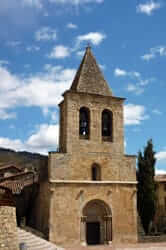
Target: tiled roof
160, 178
89, 78
16, 186
8, 166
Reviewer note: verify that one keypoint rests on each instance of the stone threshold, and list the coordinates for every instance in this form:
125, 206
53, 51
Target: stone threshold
91, 182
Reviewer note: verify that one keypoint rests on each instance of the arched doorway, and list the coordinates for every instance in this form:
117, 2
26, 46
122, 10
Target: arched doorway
97, 221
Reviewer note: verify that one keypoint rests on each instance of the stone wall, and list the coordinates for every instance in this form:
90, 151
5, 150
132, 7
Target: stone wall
69, 199
69, 130
78, 166
41, 209
8, 230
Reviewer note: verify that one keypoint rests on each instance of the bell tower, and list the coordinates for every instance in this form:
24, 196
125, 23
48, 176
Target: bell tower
92, 182
91, 118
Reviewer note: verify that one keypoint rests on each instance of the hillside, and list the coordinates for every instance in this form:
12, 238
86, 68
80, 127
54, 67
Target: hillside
31, 161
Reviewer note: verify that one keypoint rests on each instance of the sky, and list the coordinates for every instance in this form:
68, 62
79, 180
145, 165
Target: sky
41, 45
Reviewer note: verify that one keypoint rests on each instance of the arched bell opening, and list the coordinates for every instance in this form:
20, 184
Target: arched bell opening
107, 125
96, 223
84, 125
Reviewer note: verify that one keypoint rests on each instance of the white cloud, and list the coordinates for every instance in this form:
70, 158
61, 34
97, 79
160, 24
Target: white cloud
33, 3
161, 156
14, 43
43, 140
102, 66
134, 114
3, 62
134, 88
15, 144
148, 8
75, 2
120, 72
80, 53
157, 112
8, 81
140, 83
94, 37
59, 51
46, 34
32, 48
156, 51
15, 91
4, 115
160, 171
71, 26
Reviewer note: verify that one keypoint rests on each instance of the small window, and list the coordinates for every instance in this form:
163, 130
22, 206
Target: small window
84, 123
96, 172
164, 186
107, 125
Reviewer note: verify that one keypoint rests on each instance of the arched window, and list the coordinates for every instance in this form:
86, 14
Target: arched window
96, 172
84, 123
107, 125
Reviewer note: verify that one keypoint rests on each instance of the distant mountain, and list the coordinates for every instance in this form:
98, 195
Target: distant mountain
30, 161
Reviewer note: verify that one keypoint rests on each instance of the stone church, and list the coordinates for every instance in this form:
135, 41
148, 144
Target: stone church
92, 182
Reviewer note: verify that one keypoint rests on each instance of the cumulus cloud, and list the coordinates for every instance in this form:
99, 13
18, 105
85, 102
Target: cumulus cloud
154, 52
33, 3
157, 112
45, 34
4, 115
71, 26
15, 144
32, 48
4, 62
94, 37
137, 85
75, 2
13, 43
59, 51
15, 91
134, 88
43, 140
148, 8
120, 72
160, 171
134, 114
161, 156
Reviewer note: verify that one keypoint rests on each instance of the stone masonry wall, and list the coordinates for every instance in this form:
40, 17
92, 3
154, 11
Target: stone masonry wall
69, 200
8, 230
96, 104
78, 166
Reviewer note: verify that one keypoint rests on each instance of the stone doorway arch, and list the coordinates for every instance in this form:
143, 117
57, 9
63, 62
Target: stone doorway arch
96, 223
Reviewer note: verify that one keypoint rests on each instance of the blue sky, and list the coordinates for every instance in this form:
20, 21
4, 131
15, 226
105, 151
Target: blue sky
41, 45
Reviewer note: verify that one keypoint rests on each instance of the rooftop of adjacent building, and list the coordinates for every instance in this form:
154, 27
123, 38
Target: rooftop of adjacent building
160, 178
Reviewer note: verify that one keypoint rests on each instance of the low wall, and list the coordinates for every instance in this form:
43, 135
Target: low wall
8, 229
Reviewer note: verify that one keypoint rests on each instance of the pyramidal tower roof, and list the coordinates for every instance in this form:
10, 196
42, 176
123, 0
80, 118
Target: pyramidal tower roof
89, 78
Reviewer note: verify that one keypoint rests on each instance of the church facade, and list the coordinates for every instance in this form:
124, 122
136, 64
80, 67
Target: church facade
92, 182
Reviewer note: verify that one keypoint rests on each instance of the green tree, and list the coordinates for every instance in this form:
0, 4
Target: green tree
146, 196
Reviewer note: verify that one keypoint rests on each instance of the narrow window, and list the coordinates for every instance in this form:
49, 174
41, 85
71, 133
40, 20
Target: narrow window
84, 123
96, 172
107, 127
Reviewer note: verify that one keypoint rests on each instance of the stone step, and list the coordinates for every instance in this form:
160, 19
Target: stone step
34, 242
